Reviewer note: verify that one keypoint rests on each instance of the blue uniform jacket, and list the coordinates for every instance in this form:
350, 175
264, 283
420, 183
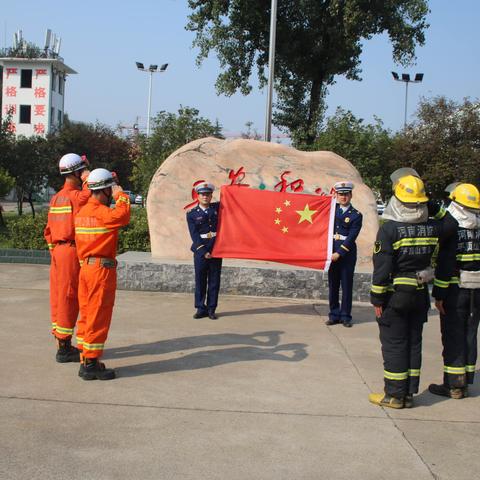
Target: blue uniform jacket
202, 222
347, 225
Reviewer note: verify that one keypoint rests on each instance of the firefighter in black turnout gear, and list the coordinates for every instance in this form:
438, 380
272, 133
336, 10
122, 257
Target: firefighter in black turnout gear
457, 291
402, 257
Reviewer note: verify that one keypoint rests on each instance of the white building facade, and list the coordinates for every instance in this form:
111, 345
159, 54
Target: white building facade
33, 94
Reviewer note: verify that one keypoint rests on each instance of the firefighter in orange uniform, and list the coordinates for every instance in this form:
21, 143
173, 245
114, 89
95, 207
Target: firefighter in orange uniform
96, 236
64, 270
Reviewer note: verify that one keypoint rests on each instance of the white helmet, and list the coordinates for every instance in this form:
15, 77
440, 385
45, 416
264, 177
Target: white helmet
71, 162
100, 178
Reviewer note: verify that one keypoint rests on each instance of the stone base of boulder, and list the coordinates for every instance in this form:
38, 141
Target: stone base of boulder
139, 271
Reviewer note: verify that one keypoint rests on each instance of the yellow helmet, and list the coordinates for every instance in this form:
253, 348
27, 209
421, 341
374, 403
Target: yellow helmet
410, 189
466, 195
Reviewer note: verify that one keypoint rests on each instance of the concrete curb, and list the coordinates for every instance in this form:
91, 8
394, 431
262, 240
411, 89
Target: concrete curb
139, 271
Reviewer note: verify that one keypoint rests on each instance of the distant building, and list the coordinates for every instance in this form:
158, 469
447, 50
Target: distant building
33, 86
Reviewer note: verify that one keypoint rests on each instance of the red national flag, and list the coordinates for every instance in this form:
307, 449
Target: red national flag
291, 228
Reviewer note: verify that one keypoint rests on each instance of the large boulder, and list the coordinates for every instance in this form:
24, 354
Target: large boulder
211, 159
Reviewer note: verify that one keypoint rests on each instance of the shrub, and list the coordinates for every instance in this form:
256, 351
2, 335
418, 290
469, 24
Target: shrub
27, 232
135, 236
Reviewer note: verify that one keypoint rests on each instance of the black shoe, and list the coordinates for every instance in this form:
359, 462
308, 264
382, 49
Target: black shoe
211, 315
66, 353
347, 323
331, 321
408, 403
200, 314
95, 370
445, 391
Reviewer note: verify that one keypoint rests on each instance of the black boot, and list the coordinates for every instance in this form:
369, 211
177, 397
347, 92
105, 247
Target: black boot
445, 391
66, 352
93, 369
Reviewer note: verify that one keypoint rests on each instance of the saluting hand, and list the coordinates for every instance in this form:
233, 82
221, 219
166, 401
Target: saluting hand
84, 175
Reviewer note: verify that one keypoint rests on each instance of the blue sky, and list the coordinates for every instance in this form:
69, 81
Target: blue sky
102, 39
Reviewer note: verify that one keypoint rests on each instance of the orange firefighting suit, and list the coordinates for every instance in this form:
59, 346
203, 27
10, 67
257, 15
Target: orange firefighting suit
96, 236
64, 270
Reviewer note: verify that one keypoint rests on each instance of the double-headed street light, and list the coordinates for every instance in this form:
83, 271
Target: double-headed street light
406, 79
151, 70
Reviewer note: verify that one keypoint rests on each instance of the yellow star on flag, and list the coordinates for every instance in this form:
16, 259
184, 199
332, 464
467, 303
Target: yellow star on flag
277, 221
306, 214
278, 210
287, 203
285, 229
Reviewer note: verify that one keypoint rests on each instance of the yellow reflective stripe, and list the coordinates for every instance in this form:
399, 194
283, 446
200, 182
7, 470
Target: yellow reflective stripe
395, 376
414, 372
441, 283
468, 257
454, 370
124, 199
454, 280
440, 214
390, 288
79, 341
51, 246
93, 346
66, 331
470, 368
379, 288
414, 242
344, 247
405, 281
54, 325
92, 230
66, 209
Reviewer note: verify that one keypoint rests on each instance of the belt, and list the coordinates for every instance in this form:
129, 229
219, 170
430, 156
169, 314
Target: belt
102, 261
337, 236
208, 235
66, 242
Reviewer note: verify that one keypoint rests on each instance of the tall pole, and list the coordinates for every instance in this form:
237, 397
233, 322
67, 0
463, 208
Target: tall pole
271, 69
149, 103
406, 101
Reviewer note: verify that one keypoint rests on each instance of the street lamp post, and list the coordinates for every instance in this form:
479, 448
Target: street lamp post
271, 68
406, 79
151, 70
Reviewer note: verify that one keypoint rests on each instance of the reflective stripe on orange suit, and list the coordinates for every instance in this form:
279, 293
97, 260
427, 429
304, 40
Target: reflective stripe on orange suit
96, 235
64, 268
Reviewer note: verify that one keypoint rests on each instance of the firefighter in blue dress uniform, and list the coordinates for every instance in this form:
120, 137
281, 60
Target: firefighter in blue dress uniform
202, 224
348, 223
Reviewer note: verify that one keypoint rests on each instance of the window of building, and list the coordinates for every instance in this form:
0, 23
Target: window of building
54, 81
26, 79
52, 116
25, 113
61, 82
59, 116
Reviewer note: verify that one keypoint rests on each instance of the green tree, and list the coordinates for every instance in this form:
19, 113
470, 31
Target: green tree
367, 147
6, 185
28, 167
443, 144
316, 40
170, 132
102, 146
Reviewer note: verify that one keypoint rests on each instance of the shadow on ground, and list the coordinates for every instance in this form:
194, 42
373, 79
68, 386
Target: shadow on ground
264, 339
259, 346
293, 352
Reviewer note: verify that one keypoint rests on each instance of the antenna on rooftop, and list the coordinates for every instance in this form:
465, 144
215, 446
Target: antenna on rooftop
56, 48
48, 36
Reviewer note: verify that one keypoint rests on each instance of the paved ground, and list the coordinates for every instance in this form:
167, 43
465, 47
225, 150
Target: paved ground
265, 392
